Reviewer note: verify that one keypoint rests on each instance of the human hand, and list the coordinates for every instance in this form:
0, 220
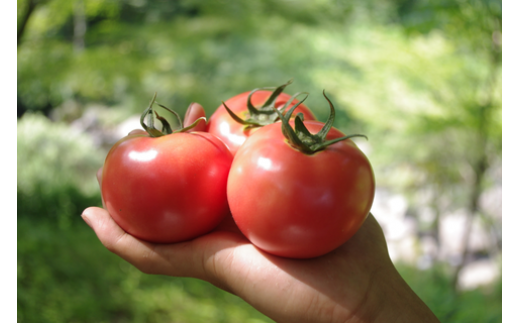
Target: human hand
357, 282
354, 283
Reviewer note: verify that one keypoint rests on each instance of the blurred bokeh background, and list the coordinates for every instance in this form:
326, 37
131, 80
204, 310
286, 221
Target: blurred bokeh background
420, 78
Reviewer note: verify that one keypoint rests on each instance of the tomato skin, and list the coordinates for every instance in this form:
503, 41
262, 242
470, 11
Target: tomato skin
295, 205
234, 134
167, 189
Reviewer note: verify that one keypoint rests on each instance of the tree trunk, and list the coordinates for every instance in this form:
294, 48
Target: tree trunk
480, 167
24, 19
80, 26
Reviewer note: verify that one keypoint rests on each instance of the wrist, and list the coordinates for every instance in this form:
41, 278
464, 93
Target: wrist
392, 300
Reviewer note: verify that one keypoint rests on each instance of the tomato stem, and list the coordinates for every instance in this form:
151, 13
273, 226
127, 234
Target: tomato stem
264, 115
300, 137
166, 128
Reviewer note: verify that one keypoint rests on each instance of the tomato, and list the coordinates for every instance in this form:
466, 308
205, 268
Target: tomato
168, 188
294, 204
234, 134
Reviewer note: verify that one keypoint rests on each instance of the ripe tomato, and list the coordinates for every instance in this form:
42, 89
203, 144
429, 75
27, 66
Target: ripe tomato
234, 134
169, 188
298, 205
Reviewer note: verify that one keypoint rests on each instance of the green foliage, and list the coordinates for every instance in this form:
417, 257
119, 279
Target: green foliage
420, 78
476, 25
204, 51
68, 276
434, 287
56, 169
54, 154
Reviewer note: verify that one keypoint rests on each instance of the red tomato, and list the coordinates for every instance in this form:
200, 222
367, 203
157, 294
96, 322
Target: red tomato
298, 205
234, 134
167, 189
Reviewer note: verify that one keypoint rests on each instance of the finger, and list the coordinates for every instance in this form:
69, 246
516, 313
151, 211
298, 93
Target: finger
194, 112
99, 175
185, 259
175, 259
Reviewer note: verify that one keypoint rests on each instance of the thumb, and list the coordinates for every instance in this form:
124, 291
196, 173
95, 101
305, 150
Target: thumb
194, 112
164, 259
203, 258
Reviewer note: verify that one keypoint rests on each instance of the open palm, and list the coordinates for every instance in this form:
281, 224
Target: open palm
357, 282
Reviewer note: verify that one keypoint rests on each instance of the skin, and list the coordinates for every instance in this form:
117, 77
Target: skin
357, 282
194, 112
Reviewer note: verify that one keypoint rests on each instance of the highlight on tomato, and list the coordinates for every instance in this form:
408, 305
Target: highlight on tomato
168, 185
300, 192
238, 117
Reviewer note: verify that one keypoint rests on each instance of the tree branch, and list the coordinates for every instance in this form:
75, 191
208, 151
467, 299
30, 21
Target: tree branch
25, 18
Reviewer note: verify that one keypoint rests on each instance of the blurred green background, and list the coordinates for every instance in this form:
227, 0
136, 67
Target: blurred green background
421, 78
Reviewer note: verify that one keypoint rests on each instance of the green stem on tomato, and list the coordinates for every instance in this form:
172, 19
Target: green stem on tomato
300, 137
264, 115
166, 128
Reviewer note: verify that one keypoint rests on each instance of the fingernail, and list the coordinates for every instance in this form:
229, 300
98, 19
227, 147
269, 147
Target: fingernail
86, 219
188, 111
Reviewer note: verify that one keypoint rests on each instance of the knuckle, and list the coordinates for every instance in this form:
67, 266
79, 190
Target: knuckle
146, 267
113, 244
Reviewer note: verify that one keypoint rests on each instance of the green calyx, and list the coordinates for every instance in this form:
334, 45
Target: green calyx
149, 117
265, 114
300, 137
